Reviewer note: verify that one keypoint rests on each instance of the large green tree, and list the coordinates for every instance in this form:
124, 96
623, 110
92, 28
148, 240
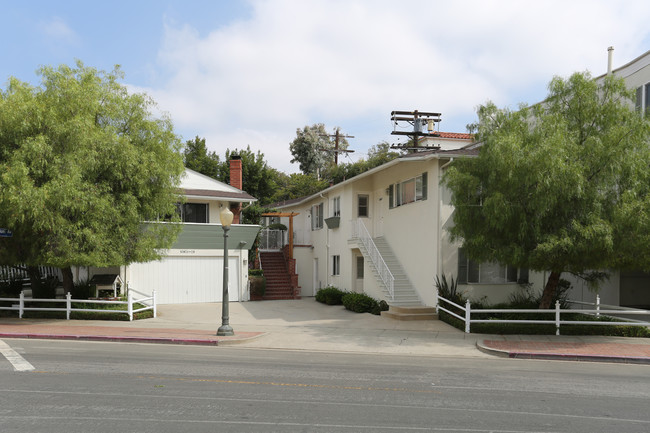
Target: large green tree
562, 186
83, 163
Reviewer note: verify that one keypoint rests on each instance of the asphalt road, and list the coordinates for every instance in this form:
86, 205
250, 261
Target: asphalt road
109, 387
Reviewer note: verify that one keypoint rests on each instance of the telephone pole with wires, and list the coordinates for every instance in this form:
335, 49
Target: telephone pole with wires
337, 136
417, 119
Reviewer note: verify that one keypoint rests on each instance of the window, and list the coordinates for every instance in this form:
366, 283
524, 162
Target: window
336, 206
359, 267
471, 272
336, 265
193, 212
362, 208
409, 191
643, 99
317, 216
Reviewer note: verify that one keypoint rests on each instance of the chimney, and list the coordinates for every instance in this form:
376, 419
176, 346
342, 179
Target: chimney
236, 181
610, 56
236, 172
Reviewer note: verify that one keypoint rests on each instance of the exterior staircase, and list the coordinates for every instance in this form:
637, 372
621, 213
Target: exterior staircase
405, 295
278, 280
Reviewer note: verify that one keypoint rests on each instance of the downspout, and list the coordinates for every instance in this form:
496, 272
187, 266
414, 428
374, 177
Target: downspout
440, 171
327, 244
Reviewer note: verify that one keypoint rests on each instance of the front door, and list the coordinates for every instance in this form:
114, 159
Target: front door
360, 263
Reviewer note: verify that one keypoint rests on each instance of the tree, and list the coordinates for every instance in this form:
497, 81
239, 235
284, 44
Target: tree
259, 180
297, 185
196, 157
82, 164
562, 186
313, 148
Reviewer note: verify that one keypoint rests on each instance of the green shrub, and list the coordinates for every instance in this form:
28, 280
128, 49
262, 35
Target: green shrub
11, 288
256, 272
449, 290
330, 296
82, 289
277, 226
46, 289
360, 303
258, 284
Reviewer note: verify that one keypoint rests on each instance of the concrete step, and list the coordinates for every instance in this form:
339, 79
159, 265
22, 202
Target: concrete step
410, 313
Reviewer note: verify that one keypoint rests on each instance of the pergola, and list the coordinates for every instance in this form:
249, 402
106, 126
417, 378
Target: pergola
289, 215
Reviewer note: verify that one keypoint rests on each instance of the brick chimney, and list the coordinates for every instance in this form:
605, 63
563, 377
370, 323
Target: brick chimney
237, 181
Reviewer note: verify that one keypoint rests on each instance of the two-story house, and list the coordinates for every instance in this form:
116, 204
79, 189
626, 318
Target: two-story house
381, 232
192, 270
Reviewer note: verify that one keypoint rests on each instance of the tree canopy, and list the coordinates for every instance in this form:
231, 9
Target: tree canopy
562, 186
82, 164
313, 148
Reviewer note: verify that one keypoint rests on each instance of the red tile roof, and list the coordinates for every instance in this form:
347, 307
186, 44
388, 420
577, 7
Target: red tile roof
456, 135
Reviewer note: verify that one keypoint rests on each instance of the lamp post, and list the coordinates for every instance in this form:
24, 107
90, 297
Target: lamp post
226, 220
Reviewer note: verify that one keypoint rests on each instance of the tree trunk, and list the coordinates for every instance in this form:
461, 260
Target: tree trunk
34, 280
549, 290
68, 281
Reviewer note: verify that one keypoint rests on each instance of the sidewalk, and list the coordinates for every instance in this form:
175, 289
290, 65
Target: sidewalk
307, 325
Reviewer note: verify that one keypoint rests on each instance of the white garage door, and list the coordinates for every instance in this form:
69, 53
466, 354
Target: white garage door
185, 280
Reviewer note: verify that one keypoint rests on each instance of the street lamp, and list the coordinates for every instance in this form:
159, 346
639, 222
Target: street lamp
226, 220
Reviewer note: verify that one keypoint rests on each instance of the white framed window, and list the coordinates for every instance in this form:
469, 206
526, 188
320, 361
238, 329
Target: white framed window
336, 265
336, 206
471, 272
408, 191
643, 99
317, 216
363, 202
360, 267
193, 212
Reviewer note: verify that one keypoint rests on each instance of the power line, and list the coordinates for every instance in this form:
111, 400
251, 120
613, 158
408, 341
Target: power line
417, 119
337, 136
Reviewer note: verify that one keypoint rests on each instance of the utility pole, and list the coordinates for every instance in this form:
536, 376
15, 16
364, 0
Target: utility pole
337, 136
417, 119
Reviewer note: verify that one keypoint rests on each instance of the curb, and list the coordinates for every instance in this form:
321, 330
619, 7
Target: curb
480, 345
126, 339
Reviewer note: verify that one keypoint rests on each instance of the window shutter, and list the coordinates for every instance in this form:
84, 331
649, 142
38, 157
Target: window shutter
311, 215
320, 215
391, 193
523, 276
424, 185
462, 267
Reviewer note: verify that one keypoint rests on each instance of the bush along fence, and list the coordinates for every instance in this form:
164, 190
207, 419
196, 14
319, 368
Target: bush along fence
22, 304
555, 315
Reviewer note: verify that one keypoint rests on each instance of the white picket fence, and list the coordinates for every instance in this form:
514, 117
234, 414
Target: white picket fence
22, 304
556, 313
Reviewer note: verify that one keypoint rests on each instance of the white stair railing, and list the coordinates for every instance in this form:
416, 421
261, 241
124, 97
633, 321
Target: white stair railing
361, 233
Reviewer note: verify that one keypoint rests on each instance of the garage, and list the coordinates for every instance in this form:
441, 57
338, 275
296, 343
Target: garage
186, 279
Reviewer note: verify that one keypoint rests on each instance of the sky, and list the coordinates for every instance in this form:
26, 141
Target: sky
245, 73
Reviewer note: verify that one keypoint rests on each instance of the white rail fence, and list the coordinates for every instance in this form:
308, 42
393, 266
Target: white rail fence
556, 315
22, 304
361, 232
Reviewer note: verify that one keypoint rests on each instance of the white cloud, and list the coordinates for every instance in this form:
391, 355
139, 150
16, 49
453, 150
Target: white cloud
58, 30
350, 63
